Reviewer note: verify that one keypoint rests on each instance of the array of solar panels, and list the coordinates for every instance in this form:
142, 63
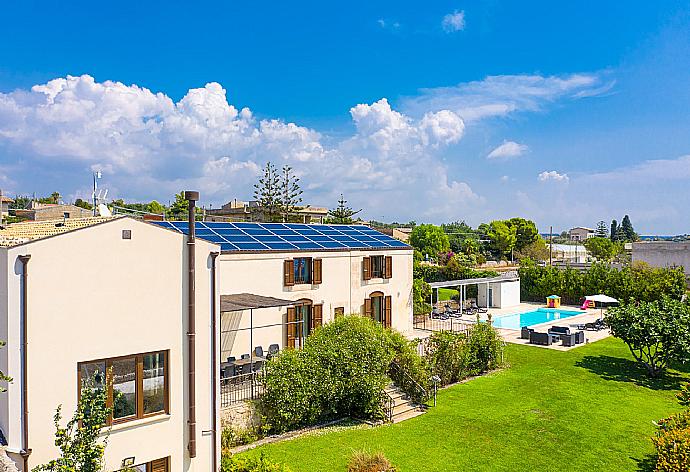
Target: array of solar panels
287, 236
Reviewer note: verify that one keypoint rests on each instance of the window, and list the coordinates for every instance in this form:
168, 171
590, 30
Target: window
378, 308
377, 267
137, 384
302, 319
159, 465
302, 270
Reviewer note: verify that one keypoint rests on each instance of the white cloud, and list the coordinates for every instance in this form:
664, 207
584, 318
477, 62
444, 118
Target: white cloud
502, 95
151, 147
388, 24
505, 178
453, 22
507, 150
554, 176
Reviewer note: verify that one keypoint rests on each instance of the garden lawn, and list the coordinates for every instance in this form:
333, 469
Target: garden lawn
445, 294
590, 408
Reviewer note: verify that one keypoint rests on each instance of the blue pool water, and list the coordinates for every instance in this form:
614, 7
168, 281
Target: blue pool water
529, 318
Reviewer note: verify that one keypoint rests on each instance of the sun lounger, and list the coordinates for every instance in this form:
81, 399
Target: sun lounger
596, 325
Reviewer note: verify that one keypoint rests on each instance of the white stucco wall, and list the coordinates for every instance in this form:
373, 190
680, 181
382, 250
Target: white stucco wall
95, 295
342, 286
663, 254
504, 294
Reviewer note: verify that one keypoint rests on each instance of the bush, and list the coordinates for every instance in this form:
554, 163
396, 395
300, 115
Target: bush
340, 372
362, 461
232, 463
636, 282
407, 357
455, 356
231, 437
672, 443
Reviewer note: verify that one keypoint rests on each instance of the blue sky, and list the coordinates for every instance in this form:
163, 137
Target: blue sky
567, 114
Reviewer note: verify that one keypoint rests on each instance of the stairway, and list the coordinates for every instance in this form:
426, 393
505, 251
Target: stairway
403, 407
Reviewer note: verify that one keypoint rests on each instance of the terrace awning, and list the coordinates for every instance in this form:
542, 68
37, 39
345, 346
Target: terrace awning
249, 301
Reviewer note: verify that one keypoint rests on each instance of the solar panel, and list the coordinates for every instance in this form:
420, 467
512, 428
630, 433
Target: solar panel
286, 236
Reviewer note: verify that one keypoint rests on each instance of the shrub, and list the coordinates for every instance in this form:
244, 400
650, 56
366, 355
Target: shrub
407, 357
362, 461
232, 463
672, 443
485, 348
232, 437
340, 371
684, 395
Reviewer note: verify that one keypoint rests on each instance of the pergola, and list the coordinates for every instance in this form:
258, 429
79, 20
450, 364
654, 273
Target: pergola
251, 302
463, 283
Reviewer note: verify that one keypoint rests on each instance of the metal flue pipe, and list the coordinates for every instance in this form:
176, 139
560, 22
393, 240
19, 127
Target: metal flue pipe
192, 198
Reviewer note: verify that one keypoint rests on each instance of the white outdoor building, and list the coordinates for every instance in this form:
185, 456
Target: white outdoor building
90, 296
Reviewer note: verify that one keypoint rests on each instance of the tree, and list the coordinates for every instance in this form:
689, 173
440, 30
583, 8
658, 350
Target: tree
537, 251
20, 202
602, 230
179, 208
155, 207
342, 214
291, 193
627, 230
602, 248
429, 239
421, 295
656, 332
614, 235
54, 198
80, 440
267, 193
502, 237
525, 231
83, 204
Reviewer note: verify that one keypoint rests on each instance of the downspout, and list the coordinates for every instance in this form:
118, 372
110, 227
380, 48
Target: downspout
191, 197
26, 450
214, 396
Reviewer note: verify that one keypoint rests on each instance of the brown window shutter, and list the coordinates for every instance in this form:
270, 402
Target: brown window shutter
160, 465
292, 326
387, 305
316, 316
366, 268
289, 273
316, 271
388, 267
367, 307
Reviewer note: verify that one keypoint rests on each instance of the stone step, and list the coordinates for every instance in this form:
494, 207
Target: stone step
403, 408
408, 414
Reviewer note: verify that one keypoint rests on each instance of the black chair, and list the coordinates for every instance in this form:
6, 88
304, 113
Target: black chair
228, 371
258, 351
542, 339
258, 365
244, 356
232, 359
273, 349
241, 369
568, 340
559, 330
579, 337
525, 332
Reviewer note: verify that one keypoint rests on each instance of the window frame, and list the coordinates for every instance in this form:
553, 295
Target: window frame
308, 268
138, 388
381, 272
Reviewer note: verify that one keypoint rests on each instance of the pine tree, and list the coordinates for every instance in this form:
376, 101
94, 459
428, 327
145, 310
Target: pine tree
268, 193
614, 230
291, 193
342, 214
627, 229
602, 231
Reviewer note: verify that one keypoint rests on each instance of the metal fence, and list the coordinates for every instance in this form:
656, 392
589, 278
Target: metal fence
427, 323
240, 388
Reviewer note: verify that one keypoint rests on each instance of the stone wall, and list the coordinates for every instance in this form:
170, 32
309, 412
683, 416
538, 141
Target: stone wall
240, 416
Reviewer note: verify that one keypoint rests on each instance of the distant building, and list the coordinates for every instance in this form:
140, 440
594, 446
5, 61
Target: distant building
663, 254
569, 253
5, 205
580, 233
50, 211
238, 210
403, 234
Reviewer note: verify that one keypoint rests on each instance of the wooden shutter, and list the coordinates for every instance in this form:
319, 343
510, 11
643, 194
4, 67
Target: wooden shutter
316, 316
387, 305
289, 273
388, 267
316, 271
366, 268
291, 326
160, 465
367, 307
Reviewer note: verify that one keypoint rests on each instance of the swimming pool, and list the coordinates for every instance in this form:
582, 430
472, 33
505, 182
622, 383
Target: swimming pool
529, 318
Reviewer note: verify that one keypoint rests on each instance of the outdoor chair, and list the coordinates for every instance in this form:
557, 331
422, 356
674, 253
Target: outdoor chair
542, 339
273, 349
568, 340
559, 330
232, 359
596, 325
241, 369
258, 365
259, 351
228, 371
579, 337
244, 356
525, 332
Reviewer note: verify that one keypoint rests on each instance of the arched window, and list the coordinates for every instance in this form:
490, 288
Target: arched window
378, 308
302, 319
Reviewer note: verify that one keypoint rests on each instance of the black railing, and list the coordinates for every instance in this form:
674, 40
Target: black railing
241, 388
443, 322
387, 405
407, 384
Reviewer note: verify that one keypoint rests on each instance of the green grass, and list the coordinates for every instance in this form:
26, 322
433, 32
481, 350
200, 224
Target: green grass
587, 409
446, 294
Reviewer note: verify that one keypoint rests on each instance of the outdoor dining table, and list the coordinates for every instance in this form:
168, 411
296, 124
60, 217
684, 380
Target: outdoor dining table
244, 362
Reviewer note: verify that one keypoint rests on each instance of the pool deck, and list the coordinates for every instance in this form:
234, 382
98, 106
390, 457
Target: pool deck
513, 335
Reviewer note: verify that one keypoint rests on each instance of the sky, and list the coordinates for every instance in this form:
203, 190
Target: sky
566, 114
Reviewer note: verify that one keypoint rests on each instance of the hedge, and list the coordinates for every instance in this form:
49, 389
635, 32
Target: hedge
672, 443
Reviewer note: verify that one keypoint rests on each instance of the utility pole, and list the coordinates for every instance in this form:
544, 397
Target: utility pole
1, 207
550, 246
96, 175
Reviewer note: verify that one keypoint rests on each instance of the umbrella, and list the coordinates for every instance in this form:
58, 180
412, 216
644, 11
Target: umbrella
603, 299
